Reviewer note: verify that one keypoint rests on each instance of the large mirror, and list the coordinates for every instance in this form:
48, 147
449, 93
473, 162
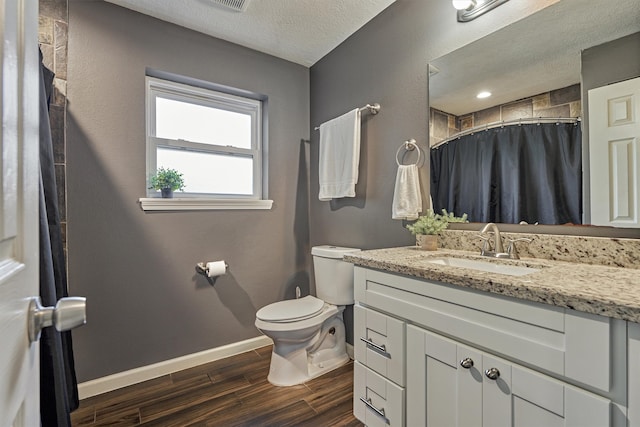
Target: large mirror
538, 55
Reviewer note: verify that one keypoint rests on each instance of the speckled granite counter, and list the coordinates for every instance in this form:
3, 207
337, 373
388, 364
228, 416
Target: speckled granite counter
597, 289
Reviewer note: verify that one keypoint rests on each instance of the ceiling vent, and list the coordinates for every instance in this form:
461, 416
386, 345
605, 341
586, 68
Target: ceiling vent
235, 5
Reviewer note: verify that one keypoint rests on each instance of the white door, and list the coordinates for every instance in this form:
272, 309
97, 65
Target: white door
614, 153
19, 89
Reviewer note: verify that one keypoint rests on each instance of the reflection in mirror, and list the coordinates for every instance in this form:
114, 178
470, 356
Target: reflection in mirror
532, 69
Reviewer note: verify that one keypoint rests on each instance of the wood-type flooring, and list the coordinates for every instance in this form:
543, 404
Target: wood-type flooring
228, 392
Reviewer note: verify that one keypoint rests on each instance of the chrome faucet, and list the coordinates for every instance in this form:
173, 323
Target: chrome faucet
498, 249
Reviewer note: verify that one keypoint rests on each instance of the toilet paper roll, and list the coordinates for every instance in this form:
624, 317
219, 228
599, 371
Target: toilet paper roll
216, 268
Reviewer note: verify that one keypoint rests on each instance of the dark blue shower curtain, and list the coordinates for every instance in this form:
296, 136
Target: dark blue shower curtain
529, 172
58, 385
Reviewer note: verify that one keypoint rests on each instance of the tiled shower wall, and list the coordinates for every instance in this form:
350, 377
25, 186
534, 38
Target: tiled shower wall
563, 102
52, 37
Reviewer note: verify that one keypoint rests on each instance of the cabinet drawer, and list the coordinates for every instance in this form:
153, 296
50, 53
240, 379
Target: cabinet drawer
570, 344
376, 400
379, 343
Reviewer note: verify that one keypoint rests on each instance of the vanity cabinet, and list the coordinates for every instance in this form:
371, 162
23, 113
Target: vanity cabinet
633, 347
454, 384
552, 366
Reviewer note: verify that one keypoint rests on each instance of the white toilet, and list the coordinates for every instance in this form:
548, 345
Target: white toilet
308, 333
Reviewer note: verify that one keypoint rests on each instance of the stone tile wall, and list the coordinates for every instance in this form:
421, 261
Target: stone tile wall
565, 102
53, 31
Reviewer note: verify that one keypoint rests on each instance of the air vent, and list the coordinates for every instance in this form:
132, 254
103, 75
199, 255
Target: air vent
235, 5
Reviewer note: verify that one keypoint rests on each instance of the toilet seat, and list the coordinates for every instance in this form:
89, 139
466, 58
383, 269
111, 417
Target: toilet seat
291, 310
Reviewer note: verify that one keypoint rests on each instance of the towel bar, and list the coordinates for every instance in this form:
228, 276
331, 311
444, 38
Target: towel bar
372, 109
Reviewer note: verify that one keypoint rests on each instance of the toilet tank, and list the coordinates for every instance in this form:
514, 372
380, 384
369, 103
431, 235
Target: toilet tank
334, 277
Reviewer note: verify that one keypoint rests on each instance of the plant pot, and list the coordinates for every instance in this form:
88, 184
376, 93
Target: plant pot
427, 242
167, 193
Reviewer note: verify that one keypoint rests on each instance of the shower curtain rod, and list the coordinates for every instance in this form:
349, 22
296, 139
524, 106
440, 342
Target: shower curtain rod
503, 123
372, 109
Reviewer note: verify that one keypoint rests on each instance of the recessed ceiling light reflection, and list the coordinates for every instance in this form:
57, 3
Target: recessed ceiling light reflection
483, 95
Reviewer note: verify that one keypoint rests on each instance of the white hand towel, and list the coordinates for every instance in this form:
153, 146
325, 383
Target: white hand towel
339, 156
407, 201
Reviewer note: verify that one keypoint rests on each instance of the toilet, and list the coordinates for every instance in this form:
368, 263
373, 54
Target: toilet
308, 333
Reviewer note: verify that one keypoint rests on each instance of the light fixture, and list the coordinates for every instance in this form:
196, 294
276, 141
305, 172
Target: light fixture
471, 9
483, 95
463, 4
232, 5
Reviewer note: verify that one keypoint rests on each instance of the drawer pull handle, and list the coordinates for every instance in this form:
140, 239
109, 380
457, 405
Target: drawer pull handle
379, 412
492, 373
379, 348
467, 363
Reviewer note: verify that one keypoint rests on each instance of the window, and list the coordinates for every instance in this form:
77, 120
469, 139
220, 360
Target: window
214, 138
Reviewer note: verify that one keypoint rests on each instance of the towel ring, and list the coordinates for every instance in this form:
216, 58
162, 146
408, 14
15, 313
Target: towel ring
411, 142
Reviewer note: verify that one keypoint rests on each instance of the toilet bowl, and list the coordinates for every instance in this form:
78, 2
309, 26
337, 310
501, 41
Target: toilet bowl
308, 333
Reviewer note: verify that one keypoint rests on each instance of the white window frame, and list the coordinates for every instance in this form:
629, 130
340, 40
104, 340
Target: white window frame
216, 99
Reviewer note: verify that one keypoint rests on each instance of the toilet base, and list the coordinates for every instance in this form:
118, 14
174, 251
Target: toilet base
283, 372
325, 352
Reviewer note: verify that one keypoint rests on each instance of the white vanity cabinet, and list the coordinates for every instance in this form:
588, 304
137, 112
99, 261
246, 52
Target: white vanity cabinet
633, 347
434, 346
456, 385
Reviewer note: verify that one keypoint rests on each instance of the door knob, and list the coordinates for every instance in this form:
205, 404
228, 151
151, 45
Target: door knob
68, 313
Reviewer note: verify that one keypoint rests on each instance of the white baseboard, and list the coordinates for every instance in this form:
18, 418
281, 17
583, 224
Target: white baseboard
350, 351
144, 373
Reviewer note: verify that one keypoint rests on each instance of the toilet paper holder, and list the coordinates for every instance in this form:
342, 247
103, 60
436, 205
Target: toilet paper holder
201, 268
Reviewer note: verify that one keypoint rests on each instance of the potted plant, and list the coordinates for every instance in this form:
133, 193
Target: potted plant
427, 227
167, 181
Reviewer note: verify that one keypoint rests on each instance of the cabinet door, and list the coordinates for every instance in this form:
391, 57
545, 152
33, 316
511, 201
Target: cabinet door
456, 385
496, 392
539, 400
444, 381
469, 385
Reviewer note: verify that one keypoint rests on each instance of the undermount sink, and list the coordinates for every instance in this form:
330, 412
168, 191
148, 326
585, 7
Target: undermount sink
490, 267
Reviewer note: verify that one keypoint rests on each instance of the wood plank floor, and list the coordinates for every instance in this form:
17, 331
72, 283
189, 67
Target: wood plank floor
228, 392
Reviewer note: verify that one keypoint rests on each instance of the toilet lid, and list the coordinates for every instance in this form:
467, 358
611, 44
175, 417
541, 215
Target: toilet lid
291, 310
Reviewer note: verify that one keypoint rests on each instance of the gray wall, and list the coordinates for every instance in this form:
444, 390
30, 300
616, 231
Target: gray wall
145, 302
387, 62
605, 64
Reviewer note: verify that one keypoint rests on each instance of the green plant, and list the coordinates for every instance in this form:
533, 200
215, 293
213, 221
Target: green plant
433, 223
450, 217
167, 178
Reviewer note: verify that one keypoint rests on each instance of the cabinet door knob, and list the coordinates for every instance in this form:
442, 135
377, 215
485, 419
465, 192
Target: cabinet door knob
492, 373
466, 363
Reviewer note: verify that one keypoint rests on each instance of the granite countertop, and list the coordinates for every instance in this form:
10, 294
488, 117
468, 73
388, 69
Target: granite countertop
604, 290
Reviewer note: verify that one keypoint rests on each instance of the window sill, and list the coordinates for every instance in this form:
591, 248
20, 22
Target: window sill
197, 204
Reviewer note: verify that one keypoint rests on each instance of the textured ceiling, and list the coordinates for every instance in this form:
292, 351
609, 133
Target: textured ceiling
301, 31
534, 55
